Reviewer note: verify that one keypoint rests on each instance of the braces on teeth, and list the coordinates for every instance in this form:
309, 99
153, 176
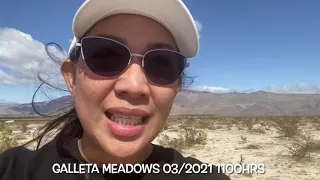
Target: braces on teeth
126, 120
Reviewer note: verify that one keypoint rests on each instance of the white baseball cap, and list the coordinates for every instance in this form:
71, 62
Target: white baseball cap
172, 14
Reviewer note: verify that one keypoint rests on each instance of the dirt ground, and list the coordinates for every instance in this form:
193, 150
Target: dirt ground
287, 147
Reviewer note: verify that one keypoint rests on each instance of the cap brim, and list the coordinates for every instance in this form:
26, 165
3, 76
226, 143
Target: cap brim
172, 14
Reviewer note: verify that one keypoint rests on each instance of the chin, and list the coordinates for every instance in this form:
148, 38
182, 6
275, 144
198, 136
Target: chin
123, 149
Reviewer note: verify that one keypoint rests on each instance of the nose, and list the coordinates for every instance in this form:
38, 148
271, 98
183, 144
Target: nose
133, 83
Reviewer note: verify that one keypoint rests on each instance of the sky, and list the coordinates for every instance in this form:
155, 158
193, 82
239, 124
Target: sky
245, 45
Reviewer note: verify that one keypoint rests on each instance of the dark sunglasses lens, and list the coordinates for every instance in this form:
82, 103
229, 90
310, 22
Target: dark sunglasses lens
164, 67
105, 57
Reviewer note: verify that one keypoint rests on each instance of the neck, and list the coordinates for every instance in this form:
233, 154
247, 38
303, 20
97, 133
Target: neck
93, 153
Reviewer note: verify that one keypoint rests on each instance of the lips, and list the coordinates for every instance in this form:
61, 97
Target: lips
126, 122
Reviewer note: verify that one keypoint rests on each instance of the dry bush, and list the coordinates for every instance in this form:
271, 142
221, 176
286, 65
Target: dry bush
6, 141
263, 124
260, 130
20, 137
23, 127
317, 126
239, 126
315, 120
193, 136
186, 123
229, 126
316, 146
247, 122
204, 124
175, 143
287, 127
234, 121
171, 124
241, 161
302, 146
187, 137
252, 146
244, 139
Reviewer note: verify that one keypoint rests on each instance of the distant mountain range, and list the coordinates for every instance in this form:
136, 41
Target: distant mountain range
258, 103
190, 102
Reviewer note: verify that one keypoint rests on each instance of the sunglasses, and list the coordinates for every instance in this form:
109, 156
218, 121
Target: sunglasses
109, 58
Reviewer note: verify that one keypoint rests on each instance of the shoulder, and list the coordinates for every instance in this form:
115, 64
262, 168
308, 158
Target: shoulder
193, 168
11, 160
13, 156
20, 159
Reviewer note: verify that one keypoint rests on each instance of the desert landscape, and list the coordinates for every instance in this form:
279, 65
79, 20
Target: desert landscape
280, 131
288, 146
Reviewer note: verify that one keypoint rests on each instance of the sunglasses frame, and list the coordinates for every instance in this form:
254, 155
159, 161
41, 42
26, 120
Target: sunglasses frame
186, 64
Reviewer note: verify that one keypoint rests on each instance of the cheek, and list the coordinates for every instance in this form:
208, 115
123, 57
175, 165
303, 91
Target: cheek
89, 96
163, 99
89, 87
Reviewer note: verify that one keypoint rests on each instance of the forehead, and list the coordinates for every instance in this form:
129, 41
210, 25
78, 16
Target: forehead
134, 30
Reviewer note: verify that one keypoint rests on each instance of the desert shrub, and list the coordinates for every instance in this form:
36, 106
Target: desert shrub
176, 143
241, 161
2, 126
193, 136
248, 122
252, 146
317, 126
20, 137
187, 138
243, 139
24, 127
287, 127
316, 146
302, 146
204, 124
6, 141
234, 121
259, 130
239, 126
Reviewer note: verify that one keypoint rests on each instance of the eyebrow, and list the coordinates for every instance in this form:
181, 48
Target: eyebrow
112, 37
161, 46
150, 47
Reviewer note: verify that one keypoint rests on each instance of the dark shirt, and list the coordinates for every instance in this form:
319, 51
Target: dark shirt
20, 163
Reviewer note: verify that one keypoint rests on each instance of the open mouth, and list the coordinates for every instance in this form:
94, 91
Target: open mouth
123, 119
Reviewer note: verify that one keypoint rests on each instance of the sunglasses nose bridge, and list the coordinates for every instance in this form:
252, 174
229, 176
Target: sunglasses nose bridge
138, 55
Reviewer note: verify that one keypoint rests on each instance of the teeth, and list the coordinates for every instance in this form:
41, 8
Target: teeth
126, 120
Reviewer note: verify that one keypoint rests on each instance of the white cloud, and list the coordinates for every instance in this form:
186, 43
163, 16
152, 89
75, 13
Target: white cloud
199, 27
22, 58
300, 88
214, 89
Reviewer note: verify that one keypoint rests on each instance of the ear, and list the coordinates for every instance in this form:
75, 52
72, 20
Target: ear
68, 71
180, 81
179, 88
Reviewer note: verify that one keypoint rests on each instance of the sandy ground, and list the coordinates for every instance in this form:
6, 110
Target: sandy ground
229, 141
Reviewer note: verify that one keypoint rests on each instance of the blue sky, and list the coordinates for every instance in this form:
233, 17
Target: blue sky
245, 45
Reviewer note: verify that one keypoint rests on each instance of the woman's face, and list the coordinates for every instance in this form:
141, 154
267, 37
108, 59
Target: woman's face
101, 103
